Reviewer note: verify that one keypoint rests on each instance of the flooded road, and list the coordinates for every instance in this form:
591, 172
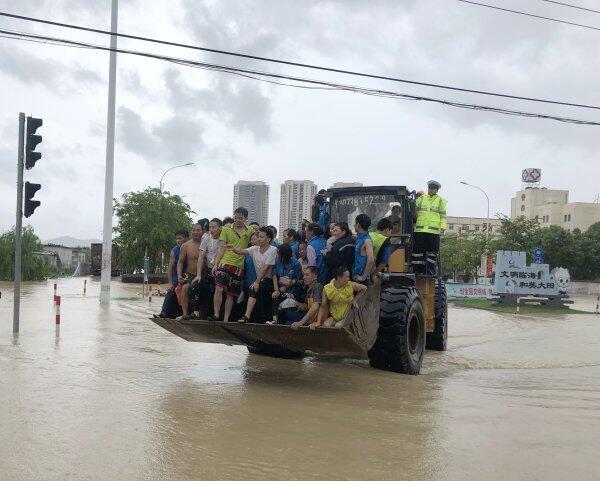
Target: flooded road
116, 397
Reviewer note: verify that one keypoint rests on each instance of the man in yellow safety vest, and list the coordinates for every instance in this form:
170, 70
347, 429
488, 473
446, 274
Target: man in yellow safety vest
431, 223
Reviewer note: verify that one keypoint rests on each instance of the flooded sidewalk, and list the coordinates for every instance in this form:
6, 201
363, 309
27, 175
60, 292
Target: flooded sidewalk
515, 397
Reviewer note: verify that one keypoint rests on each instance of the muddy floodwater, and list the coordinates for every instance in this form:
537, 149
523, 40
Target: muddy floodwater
115, 397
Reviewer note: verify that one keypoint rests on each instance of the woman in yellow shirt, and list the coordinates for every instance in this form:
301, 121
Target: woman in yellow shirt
338, 297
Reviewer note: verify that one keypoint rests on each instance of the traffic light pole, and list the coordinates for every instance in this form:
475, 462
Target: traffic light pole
18, 223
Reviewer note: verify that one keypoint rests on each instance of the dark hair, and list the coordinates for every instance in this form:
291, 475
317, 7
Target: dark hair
285, 252
183, 232
315, 229
363, 220
204, 223
241, 210
343, 226
254, 223
218, 221
384, 224
338, 271
267, 231
292, 233
227, 220
312, 269
274, 229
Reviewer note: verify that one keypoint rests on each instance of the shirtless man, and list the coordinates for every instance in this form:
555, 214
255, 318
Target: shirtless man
188, 255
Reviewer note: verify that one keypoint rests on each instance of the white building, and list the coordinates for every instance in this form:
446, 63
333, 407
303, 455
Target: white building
470, 226
552, 207
295, 203
254, 196
68, 257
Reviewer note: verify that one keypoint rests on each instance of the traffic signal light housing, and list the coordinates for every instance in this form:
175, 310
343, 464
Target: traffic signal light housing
30, 204
31, 142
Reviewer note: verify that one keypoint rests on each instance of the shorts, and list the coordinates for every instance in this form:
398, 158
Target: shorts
229, 278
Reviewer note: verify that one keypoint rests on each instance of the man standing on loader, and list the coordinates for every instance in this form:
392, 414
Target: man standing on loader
431, 223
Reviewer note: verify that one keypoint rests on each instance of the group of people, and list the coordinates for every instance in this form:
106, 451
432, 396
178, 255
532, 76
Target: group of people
230, 270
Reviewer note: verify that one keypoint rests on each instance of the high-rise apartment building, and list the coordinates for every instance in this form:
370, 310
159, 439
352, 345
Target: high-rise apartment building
295, 203
254, 196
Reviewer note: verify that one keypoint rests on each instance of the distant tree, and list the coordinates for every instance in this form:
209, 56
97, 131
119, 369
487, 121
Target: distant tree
462, 254
148, 220
520, 234
33, 268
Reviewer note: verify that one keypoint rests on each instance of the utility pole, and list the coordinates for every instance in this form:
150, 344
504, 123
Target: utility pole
18, 223
110, 162
487, 227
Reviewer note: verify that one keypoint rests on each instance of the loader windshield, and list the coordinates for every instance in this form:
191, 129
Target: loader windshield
346, 208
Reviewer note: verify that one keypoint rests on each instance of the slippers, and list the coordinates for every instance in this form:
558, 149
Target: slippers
243, 319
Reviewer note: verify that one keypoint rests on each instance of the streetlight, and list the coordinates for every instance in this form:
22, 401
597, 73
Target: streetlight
487, 227
160, 184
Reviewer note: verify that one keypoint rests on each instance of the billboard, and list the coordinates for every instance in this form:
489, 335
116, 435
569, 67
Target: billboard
531, 175
514, 276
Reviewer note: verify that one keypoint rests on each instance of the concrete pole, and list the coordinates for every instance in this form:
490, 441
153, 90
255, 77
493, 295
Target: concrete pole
18, 224
110, 164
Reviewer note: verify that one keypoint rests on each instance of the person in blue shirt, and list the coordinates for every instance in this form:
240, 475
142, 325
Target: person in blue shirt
250, 271
323, 204
286, 277
170, 307
290, 236
315, 251
364, 261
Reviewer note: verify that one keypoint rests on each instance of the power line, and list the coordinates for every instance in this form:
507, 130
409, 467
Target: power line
541, 17
312, 83
572, 6
296, 64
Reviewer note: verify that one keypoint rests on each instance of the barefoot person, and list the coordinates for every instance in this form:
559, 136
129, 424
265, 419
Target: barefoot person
186, 267
264, 256
229, 266
339, 296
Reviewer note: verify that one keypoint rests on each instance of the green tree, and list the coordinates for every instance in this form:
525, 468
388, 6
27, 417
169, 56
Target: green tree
520, 234
148, 220
33, 268
462, 254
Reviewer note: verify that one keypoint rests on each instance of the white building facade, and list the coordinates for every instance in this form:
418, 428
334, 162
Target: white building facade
254, 196
295, 203
552, 207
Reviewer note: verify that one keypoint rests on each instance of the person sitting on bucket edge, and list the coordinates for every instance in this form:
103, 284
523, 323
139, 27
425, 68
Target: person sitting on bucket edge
309, 309
339, 296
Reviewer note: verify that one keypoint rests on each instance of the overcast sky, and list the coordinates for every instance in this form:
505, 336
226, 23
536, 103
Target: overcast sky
235, 128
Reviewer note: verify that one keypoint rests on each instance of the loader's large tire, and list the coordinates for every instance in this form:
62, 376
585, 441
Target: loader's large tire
400, 343
273, 350
437, 339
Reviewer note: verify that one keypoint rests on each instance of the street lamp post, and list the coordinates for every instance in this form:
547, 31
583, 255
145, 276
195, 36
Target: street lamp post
160, 184
487, 227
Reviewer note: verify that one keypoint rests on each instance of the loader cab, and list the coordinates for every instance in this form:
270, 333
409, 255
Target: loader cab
394, 202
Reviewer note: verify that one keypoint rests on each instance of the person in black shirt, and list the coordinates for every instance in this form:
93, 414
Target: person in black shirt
342, 249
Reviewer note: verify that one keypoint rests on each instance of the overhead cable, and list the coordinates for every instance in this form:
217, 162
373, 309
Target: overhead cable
314, 83
297, 64
518, 12
572, 6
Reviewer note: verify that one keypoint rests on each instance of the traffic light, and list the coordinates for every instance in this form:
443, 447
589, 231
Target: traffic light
31, 156
30, 204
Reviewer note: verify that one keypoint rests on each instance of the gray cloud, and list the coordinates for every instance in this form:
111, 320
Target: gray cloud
175, 139
242, 105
